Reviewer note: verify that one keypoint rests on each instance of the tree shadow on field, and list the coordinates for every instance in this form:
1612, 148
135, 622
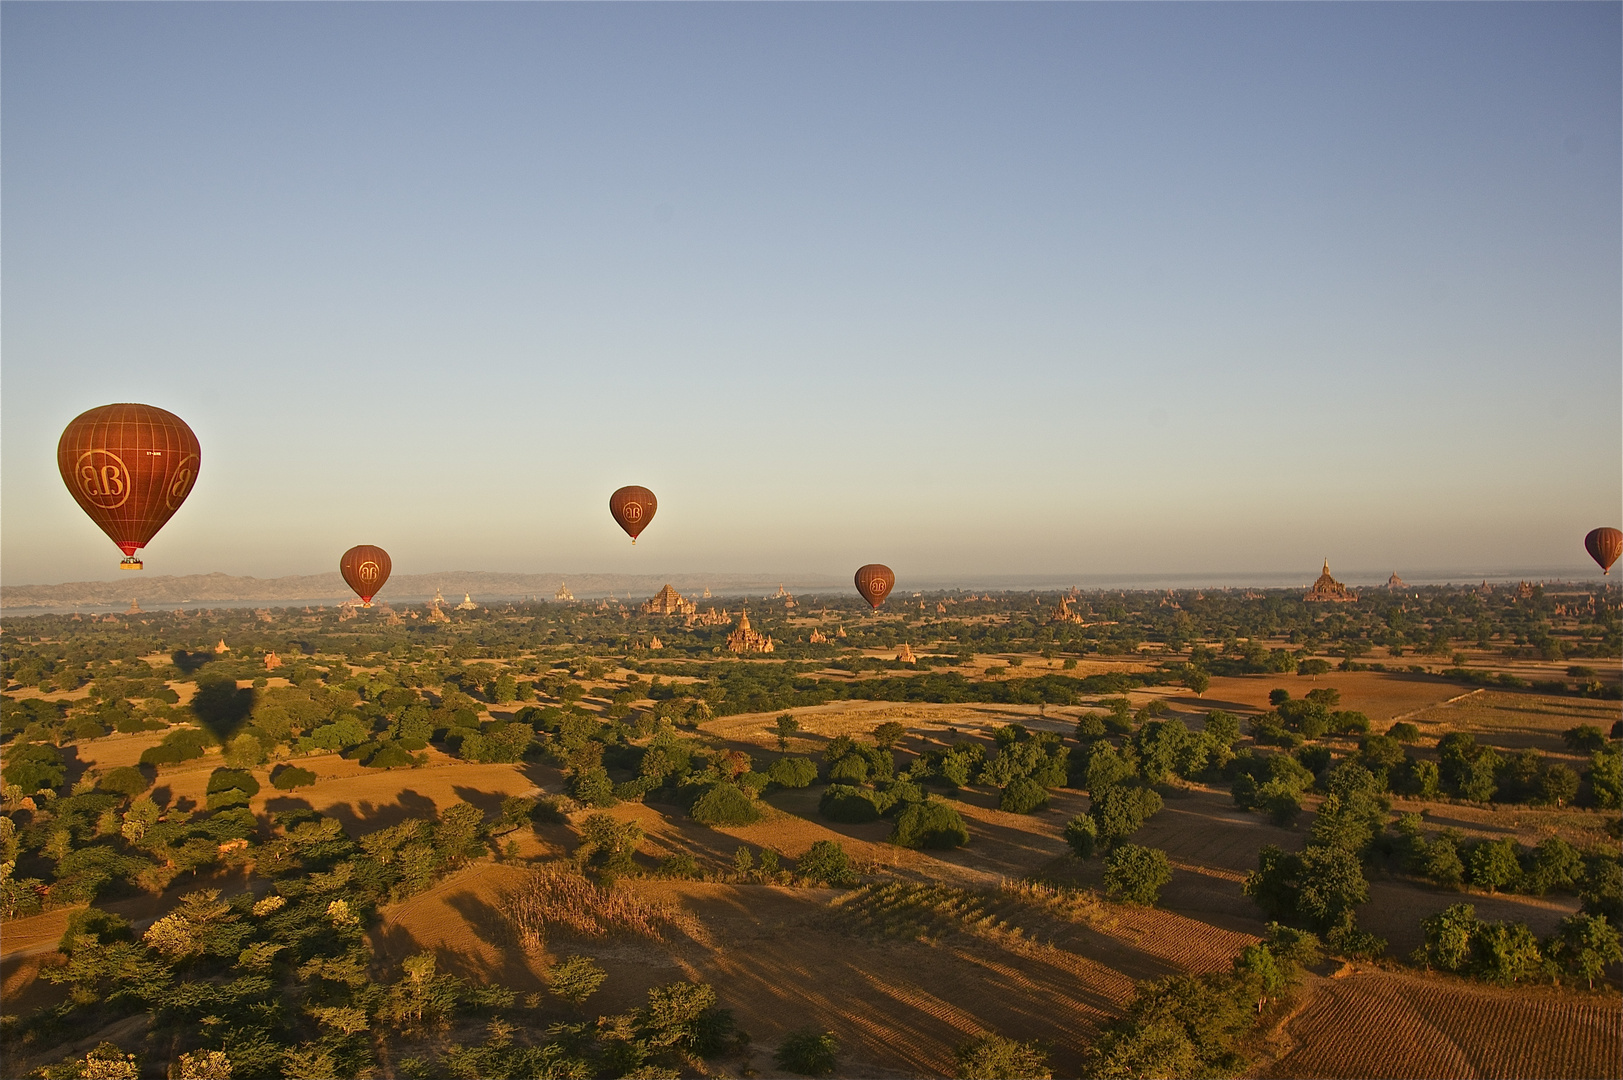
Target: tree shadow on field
221, 707
489, 802
483, 918
365, 816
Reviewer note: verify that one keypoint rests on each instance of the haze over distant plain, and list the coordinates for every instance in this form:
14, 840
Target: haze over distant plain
972, 290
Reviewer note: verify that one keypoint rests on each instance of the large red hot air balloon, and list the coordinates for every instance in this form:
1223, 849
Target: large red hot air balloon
633, 507
129, 467
1604, 546
874, 582
366, 568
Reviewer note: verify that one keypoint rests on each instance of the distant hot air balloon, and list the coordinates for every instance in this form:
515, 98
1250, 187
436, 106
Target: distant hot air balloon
129, 467
874, 582
633, 507
365, 567
1604, 546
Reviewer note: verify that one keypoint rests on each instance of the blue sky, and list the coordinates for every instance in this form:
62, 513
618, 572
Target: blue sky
968, 289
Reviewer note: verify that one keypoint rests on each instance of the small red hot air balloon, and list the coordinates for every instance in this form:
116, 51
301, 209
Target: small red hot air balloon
633, 507
874, 582
1604, 546
129, 467
365, 567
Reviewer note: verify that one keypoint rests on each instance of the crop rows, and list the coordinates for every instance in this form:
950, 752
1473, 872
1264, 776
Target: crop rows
1380, 1025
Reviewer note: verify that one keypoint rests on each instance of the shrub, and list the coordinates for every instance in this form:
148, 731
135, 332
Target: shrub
826, 862
1404, 732
930, 825
851, 805
724, 804
1023, 796
125, 780
992, 1057
575, 979
681, 865
809, 1052
1083, 836
390, 756
792, 772
1135, 874
289, 777
851, 769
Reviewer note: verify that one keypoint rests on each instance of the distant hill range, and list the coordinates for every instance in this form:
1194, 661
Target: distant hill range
228, 590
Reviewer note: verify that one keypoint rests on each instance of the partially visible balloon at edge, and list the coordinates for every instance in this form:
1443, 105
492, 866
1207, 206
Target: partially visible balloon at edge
365, 568
1604, 546
874, 582
129, 467
633, 508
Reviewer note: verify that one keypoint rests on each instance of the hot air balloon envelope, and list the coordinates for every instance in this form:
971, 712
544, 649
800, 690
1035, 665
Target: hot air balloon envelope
1604, 546
874, 582
365, 567
633, 507
129, 467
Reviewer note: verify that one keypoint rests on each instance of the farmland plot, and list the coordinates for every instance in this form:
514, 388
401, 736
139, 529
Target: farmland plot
1382, 1024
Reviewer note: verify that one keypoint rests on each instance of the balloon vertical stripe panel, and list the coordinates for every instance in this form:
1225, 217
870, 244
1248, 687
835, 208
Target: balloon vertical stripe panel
1604, 546
129, 467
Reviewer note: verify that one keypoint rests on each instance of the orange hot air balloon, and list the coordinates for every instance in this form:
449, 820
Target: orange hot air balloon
633, 507
365, 567
1604, 546
129, 467
874, 582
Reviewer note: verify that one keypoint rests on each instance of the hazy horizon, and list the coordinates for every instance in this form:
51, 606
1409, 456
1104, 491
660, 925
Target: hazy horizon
1042, 580
965, 289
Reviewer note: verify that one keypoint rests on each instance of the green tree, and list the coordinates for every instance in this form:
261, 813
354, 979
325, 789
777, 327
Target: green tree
724, 804
930, 824
125, 780
826, 862
888, 734
244, 752
1135, 874
1493, 864
1121, 810
792, 772
459, 833
575, 979
1585, 946
1197, 680
809, 1051
1082, 835
993, 1057
1505, 952
1023, 796
1448, 936
787, 726
34, 767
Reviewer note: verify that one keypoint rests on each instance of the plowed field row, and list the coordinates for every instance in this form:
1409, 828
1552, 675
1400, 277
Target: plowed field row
1386, 1025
